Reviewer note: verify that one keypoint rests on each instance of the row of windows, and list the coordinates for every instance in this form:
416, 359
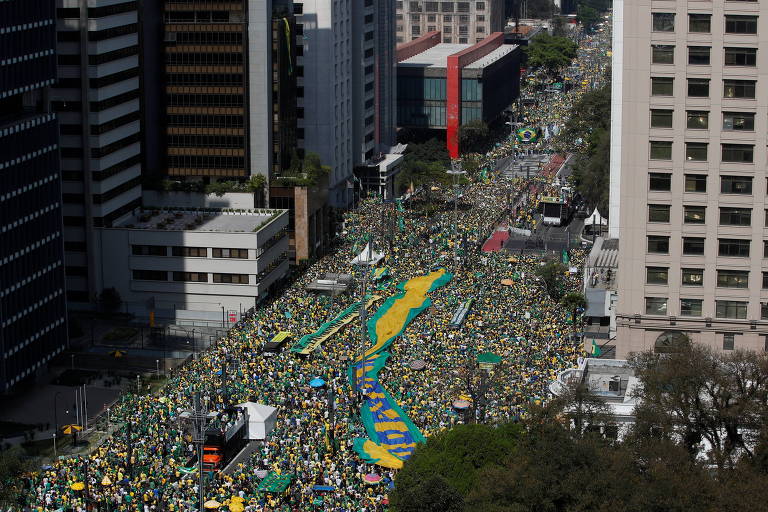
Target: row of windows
207, 37
197, 277
206, 141
696, 214
694, 246
731, 309
699, 87
702, 23
221, 79
213, 120
204, 16
699, 120
205, 100
700, 55
190, 252
416, 6
204, 59
695, 277
662, 182
697, 152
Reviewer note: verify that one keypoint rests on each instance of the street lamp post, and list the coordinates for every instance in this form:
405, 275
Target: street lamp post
456, 172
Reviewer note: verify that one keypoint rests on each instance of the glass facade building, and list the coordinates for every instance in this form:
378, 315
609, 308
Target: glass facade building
33, 326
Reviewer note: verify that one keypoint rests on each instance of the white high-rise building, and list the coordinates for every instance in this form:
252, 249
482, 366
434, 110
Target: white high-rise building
347, 93
97, 98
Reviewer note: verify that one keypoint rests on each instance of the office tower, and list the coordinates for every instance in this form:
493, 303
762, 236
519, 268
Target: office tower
688, 188
98, 102
347, 95
459, 22
33, 326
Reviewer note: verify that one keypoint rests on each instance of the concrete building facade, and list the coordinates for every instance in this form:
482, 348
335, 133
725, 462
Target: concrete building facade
195, 264
33, 323
459, 22
688, 187
98, 100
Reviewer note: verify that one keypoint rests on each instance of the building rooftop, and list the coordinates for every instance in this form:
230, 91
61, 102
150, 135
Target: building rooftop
492, 57
437, 56
204, 219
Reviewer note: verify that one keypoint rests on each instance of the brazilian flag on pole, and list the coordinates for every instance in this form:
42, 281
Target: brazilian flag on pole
526, 135
595, 349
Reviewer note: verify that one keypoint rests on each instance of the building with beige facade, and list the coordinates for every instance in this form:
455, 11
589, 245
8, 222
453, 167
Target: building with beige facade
688, 173
459, 22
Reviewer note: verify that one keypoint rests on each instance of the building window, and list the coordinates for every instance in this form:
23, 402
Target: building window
696, 151
661, 150
415, 30
655, 305
731, 309
658, 213
733, 247
738, 153
191, 277
462, 7
662, 54
656, 275
231, 278
740, 24
690, 307
661, 182
764, 316
739, 89
662, 86
698, 87
700, 23
735, 185
480, 6
658, 244
190, 252
728, 340
694, 214
698, 55
696, 183
661, 118
693, 246
765, 249
697, 119
765, 280
693, 277
741, 57
230, 253
663, 21
735, 216
148, 250
733, 279
739, 121
150, 275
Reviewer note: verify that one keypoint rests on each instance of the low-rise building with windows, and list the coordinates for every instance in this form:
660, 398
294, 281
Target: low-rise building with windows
195, 264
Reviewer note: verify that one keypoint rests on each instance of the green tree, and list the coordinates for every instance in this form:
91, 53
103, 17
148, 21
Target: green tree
13, 464
456, 455
587, 16
553, 275
572, 302
592, 171
553, 53
433, 494
110, 300
694, 394
474, 137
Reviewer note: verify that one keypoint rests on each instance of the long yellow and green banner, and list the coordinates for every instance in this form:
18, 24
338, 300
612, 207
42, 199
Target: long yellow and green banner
392, 436
313, 340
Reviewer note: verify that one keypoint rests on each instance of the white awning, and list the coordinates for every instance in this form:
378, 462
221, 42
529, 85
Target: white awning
368, 256
595, 218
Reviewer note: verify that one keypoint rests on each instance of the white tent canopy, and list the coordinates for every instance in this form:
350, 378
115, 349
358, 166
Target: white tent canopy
595, 218
368, 256
261, 419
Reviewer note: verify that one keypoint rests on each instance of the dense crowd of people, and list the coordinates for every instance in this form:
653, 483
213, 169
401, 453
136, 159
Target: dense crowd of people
144, 465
